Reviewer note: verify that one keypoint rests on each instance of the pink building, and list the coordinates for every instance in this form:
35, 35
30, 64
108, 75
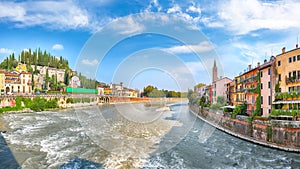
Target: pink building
267, 78
219, 88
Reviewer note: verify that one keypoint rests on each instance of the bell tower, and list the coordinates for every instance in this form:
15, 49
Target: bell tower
215, 72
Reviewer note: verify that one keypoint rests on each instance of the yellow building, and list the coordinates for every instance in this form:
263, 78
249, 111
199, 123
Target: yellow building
288, 70
2, 81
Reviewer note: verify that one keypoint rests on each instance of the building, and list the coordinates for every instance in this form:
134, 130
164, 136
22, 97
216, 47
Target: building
219, 88
230, 93
244, 88
215, 72
208, 92
60, 73
18, 83
200, 90
288, 70
117, 89
75, 82
2, 82
267, 85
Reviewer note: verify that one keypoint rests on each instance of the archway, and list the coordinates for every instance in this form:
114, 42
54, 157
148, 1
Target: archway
7, 89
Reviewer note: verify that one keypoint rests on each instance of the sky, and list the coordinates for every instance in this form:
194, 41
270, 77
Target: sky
169, 44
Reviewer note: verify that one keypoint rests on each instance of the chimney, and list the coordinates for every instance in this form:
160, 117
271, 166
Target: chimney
265, 60
297, 46
249, 67
258, 64
283, 50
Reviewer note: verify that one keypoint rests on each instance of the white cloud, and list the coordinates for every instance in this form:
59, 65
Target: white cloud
51, 14
191, 14
195, 67
194, 9
6, 51
127, 26
201, 47
212, 23
57, 47
242, 17
90, 62
154, 4
174, 9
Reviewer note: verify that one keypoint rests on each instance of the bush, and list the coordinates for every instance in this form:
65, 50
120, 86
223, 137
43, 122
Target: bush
70, 100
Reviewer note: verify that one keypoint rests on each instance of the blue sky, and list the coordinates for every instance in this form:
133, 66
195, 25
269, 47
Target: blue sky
236, 33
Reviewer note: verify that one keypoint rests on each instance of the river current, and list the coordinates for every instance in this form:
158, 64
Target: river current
128, 136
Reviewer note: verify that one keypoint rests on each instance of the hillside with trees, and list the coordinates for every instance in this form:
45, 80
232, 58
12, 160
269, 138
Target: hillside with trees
43, 58
36, 58
151, 91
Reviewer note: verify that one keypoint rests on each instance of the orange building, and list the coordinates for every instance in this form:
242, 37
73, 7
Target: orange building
288, 69
244, 86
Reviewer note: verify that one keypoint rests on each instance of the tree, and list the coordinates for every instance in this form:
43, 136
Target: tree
221, 100
32, 80
148, 90
46, 79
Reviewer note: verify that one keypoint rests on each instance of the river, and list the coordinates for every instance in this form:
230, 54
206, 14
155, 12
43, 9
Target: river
128, 136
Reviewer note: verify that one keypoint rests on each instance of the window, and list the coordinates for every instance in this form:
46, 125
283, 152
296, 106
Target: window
269, 100
252, 99
261, 86
279, 77
269, 111
294, 58
290, 74
269, 71
290, 60
279, 89
269, 85
294, 74
262, 100
298, 74
298, 57
279, 62
261, 74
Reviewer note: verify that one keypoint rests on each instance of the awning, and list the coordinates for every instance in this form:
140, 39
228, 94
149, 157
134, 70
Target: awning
231, 107
287, 101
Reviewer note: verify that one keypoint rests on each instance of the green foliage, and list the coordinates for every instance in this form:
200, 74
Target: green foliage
156, 93
41, 104
192, 97
269, 133
38, 104
151, 91
280, 112
236, 111
37, 58
87, 82
52, 103
277, 87
221, 100
70, 100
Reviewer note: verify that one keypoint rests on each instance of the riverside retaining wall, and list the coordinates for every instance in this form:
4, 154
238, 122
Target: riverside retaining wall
273, 133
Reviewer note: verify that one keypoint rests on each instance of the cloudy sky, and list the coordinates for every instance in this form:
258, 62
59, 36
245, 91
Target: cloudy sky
238, 32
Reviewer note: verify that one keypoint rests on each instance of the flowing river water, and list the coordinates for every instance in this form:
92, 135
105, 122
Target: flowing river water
128, 136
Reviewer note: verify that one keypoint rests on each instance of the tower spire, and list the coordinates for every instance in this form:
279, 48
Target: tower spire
215, 72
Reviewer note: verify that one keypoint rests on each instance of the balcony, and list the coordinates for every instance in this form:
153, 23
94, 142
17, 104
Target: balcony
293, 79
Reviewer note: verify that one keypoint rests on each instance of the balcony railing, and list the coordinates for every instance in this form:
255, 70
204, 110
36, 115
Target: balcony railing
293, 79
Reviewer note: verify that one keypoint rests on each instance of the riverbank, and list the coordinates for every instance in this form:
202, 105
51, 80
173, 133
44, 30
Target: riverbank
260, 137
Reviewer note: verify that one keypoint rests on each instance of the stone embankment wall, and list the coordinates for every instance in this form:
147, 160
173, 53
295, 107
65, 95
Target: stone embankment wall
274, 133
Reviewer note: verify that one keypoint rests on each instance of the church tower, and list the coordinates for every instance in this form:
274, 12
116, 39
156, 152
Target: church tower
215, 72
